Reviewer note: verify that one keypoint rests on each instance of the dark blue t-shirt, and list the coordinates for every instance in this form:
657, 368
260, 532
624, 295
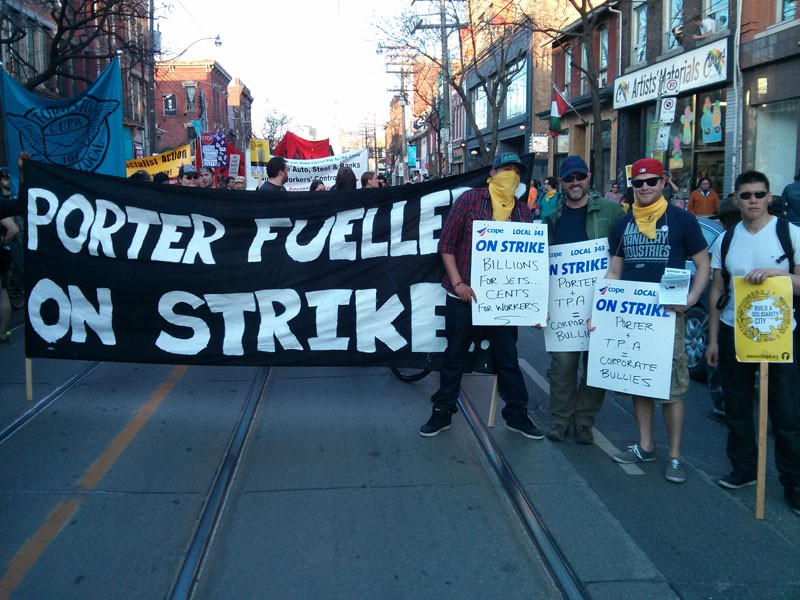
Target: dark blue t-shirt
678, 238
571, 225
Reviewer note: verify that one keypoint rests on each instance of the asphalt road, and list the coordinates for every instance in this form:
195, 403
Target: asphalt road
336, 495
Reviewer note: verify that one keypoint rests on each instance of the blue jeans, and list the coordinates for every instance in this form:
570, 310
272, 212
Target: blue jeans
503, 343
738, 385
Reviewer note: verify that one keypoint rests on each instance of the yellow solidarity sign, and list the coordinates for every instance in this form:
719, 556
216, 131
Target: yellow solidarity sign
763, 327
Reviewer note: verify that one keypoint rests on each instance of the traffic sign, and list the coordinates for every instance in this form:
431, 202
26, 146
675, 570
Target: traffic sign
668, 106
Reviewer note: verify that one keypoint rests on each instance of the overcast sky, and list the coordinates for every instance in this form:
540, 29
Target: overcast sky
313, 60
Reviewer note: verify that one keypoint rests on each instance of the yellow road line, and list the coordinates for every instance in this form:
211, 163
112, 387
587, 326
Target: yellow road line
27, 556
32, 550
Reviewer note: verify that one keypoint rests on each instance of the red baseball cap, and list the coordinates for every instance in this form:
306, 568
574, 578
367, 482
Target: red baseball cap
647, 165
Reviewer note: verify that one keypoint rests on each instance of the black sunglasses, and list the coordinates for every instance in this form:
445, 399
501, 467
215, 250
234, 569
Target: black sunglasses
573, 178
190, 176
748, 195
650, 181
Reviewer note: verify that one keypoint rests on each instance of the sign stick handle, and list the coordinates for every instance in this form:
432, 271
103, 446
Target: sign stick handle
762, 439
28, 380
493, 405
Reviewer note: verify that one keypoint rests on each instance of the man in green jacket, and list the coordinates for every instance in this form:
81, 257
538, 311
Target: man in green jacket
583, 215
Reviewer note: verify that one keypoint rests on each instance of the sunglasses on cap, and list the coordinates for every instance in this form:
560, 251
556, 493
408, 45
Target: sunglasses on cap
650, 181
575, 177
748, 195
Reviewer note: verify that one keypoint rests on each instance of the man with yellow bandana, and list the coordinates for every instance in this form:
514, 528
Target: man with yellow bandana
496, 202
653, 236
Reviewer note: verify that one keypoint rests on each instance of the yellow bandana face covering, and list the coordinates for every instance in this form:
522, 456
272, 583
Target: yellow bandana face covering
501, 190
646, 217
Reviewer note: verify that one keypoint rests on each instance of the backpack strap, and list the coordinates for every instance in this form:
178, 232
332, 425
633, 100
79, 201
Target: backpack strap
782, 227
727, 238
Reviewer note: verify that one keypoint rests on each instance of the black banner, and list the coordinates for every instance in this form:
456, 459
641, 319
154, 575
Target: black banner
136, 272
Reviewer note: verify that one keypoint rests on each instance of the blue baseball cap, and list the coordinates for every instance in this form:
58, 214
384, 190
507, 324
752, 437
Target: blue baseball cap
508, 158
573, 164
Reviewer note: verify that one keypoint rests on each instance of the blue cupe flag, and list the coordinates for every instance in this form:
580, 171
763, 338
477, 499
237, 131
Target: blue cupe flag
82, 133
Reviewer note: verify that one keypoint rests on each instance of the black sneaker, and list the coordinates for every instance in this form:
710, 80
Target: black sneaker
441, 419
521, 423
792, 495
735, 480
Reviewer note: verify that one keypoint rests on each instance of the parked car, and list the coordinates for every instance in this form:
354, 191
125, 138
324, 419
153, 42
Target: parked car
697, 316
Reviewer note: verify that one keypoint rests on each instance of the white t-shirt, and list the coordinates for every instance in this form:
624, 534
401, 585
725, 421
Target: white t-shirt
708, 26
748, 252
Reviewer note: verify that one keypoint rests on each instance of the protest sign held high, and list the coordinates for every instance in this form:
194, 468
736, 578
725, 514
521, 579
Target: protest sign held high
133, 272
509, 273
627, 352
168, 162
574, 270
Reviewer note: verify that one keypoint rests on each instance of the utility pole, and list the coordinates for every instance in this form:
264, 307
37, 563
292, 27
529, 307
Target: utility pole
403, 100
444, 126
151, 88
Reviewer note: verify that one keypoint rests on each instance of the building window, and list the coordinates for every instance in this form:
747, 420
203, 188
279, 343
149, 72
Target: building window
170, 104
585, 67
567, 69
787, 10
717, 10
603, 71
639, 31
480, 108
517, 91
191, 97
673, 24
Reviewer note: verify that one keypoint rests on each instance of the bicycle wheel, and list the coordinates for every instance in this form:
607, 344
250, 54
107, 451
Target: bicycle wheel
410, 375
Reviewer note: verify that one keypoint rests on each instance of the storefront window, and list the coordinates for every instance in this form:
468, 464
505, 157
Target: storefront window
710, 119
772, 141
696, 142
681, 144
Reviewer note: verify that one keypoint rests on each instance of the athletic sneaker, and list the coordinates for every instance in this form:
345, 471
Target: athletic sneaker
635, 454
735, 480
674, 471
441, 419
521, 423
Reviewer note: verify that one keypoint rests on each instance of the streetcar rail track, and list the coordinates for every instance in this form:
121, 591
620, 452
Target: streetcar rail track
556, 563
190, 571
42, 404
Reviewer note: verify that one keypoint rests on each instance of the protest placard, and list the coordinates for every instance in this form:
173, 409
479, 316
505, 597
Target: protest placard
168, 162
763, 328
574, 270
213, 148
509, 273
630, 350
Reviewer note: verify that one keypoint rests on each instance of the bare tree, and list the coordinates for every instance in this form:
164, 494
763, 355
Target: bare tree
74, 31
585, 33
488, 55
275, 126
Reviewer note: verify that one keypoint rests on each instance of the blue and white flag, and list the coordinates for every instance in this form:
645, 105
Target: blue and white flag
82, 133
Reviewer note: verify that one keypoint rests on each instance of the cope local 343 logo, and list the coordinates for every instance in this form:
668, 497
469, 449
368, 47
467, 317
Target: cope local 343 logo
496, 230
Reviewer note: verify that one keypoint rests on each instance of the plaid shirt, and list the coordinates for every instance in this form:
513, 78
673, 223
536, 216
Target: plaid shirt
456, 238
